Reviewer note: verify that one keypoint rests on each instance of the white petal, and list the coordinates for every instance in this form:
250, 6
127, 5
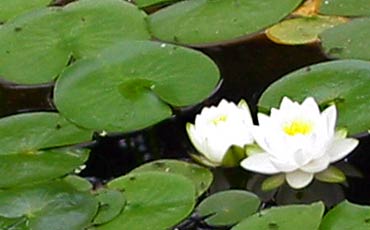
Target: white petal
260, 163
194, 137
317, 165
287, 104
263, 119
259, 135
330, 114
341, 148
298, 179
310, 107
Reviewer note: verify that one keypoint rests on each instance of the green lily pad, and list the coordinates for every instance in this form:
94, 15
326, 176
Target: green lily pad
155, 201
54, 206
301, 30
203, 21
24, 168
29, 132
345, 7
290, 217
201, 177
345, 83
147, 3
79, 183
347, 216
111, 203
26, 148
127, 87
350, 40
12, 8
228, 207
44, 41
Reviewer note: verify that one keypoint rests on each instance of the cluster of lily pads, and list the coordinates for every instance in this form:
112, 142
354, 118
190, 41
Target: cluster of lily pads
111, 76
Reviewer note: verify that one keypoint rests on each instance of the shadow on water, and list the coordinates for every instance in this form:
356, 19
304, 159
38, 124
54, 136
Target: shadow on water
247, 69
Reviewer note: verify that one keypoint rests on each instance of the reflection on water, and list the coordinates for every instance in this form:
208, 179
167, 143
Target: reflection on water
247, 69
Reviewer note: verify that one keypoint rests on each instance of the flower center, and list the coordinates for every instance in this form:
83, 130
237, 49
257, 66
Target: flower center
219, 119
298, 127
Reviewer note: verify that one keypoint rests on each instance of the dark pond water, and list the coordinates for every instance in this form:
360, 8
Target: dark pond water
247, 69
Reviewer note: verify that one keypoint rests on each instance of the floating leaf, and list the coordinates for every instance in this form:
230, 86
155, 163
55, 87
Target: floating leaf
79, 183
12, 8
301, 30
350, 40
147, 3
26, 148
36, 47
331, 175
111, 203
347, 216
200, 21
201, 177
290, 217
273, 182
155, 201
345, 83
233, 156
127, 87
13, 223
228, 207
54, 205
345, 7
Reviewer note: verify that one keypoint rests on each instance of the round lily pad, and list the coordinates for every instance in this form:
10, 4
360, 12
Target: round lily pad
12, 8
228, 207
46, 40
147, 3
203, 21
111, 203
155, 201
345, 83
129, 86
345, 7
28, 148
347, 216
301, 30
201, 177
350, 40
79, 183
305, 217
54, 206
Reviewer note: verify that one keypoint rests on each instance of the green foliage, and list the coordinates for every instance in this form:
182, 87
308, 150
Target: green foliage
201, 177
12, 8
347, 216
129, 85
28, 148
345, 7
290, 217
345, 83
54, 205
349, 40
301, 30
111, 204
202, 21
228, 207
155, 201
44, 41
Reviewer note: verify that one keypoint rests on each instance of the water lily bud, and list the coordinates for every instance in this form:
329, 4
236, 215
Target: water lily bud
217, 129
299, 141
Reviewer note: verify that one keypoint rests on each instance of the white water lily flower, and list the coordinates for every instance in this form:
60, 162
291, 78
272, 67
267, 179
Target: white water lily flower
299, 141
216, 129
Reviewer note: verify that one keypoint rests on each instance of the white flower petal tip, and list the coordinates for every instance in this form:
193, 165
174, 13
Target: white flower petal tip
217, 128
299, 179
